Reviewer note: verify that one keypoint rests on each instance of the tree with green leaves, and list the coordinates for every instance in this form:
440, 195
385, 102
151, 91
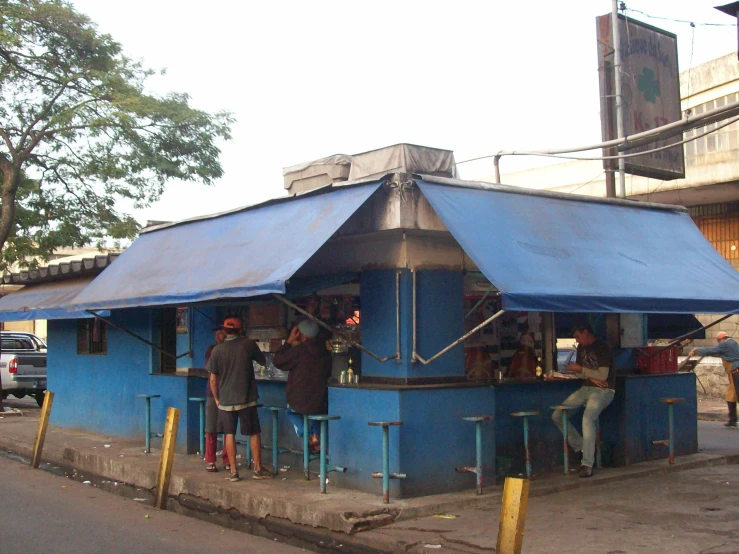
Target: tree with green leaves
78, 133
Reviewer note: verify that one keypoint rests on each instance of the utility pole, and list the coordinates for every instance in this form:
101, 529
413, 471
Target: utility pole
619, 96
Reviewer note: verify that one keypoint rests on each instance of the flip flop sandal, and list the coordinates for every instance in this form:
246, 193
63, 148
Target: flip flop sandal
211, 468
227, 467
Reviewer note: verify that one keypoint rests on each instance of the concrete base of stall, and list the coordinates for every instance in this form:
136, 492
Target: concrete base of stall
431, 443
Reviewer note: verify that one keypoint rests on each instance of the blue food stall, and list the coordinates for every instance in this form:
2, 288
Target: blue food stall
425, 285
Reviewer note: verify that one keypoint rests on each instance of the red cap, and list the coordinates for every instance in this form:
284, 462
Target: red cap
232, 323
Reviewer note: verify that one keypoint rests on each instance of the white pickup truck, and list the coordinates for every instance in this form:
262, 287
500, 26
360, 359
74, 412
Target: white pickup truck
22, 365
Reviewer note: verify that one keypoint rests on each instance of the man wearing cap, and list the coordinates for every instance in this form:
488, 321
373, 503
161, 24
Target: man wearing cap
235, 391
308, 363
728, 350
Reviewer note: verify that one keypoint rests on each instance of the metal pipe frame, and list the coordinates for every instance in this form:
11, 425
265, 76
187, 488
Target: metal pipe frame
134, 335
329, 328
456, 342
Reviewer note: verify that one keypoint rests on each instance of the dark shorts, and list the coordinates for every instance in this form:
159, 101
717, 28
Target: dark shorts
248, 420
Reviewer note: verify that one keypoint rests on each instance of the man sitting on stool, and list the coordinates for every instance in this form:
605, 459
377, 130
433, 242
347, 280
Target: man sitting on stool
594, 363
308, 363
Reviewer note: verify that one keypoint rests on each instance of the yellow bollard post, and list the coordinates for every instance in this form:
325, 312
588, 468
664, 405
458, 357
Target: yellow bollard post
43, 423
513, 516
165, 459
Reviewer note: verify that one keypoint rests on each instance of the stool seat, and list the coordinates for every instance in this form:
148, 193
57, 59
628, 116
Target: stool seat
197, 399
274, 408
671, 400
562, 407
478, 418
525, 413
149, 395
324, 417
384, 423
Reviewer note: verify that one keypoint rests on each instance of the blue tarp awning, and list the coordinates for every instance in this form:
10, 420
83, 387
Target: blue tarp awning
244, 253
564, 253
44, 301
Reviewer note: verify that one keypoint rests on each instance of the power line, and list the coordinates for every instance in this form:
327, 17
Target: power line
692, 23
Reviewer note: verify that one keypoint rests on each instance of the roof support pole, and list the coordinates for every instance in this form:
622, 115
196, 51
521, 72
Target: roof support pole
329, 328
134, 335
398, 355
414, 355
619, 95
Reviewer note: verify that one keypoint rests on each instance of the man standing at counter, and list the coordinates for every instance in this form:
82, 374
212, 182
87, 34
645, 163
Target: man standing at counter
235, 391
728, 350
594, 363
308, 363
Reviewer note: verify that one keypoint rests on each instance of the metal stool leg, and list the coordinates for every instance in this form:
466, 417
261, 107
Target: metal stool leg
202, 429
598, 456
564, 433
324, 433
672, 433
148, 425
526, 445
478, 455
386, 465
306, 451
275, 451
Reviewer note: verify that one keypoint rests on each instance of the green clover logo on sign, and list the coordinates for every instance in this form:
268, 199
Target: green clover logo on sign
648, 85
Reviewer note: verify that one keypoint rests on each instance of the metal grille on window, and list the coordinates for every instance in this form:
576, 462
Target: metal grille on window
92, 337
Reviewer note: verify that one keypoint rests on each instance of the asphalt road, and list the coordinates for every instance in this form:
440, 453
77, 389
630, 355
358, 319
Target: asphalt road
44, 513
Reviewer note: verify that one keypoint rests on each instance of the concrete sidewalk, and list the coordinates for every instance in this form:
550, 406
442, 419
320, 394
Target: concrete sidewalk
357, 521
712, 409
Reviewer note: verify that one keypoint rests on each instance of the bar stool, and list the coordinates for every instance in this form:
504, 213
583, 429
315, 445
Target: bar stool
670, 442
386, 475
525, 415
149, 434
477, 470
324, 419
276, 451
201, 400
565, 411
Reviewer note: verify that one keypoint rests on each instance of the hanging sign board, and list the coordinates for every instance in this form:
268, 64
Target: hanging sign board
650, 90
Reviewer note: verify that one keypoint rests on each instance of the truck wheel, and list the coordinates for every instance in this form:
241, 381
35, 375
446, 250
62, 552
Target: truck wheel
18, 393
39, 396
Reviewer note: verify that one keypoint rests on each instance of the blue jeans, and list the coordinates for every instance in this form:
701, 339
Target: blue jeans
297, 420
595, 401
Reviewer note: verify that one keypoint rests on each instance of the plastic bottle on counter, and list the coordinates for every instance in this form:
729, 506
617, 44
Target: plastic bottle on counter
350, 373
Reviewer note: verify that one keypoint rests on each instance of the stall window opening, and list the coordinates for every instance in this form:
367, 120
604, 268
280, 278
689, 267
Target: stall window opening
92, 337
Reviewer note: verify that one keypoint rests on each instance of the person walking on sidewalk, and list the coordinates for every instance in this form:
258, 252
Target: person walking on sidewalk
211, 417
594, 363
728, 350
235, 392
308, 363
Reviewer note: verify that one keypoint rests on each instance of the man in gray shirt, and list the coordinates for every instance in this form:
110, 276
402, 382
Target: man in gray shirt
235, 392
728, 350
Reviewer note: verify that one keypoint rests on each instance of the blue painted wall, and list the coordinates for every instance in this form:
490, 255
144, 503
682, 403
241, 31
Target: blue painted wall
432, 441
439, 322
97, 393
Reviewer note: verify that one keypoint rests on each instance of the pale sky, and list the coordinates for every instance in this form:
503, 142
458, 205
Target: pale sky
309, 79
